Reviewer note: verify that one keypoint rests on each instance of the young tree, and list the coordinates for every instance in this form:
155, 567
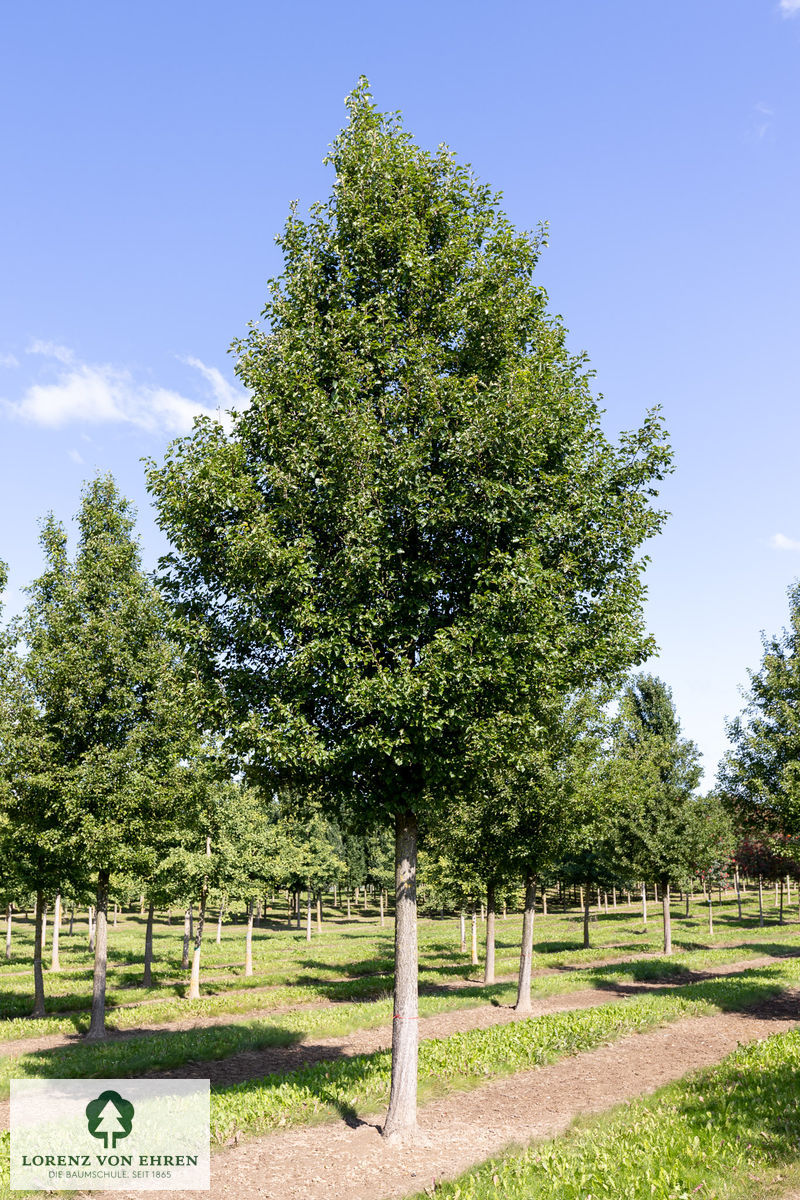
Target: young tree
418, 522
104, 675
656, 771
761, 771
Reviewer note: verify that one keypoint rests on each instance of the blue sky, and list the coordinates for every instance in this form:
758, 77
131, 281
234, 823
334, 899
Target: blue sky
150, 153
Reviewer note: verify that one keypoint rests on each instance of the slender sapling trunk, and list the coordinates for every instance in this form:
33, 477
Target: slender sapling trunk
38, 976
488, 973
97, 1025
401, 1119
523, 1003
147, 976
667, 917
248, 945
55, 964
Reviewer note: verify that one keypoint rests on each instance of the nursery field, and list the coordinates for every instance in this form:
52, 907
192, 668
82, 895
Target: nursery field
298, 1052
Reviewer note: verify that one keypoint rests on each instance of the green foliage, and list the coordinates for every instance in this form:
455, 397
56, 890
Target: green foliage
110, 716
760, 775
654, 772
418, 524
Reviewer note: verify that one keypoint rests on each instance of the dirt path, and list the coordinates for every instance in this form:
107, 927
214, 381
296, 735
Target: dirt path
335, 1162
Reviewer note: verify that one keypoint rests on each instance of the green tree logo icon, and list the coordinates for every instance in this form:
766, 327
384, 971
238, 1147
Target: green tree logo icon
110, 1117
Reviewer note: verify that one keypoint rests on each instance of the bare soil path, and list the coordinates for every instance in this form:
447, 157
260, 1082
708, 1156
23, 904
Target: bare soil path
336, 1162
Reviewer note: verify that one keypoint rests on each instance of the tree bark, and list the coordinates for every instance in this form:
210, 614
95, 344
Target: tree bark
401, 1118
71, 919
463, 933
97, 1025
55, 964
710, 914
760, 903
308, 915
644, 904
383, 921
319, 912
586, 915
194, 981
738, 891
187, 935
780, 917
474, 936
38, 976
8, 931
248, 945
44, 926
91, 927
523, 1003
147, 977
488, 972
219, 921
667, 918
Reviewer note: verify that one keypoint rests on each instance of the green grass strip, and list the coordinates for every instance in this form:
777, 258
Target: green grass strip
461, 1061
722, 1133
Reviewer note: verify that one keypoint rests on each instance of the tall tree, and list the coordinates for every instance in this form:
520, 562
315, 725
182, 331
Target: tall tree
761, 772
418, 523
104, 675
655, 770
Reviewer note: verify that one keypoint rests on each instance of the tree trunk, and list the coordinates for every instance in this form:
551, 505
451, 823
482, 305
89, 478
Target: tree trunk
44, 926
644, 904
667, 918
248, 945
147, 977
474, 936
710, 914
187, 934
463, 933
308, 914
97, 1025
115, 914
71, 918
219, 921
760, 902
8, 931
194, 981
523, 1003
91, 927
348, 906
738, 891
38, 977
55, 964
544, 902
488, 973
383, 922
319, 912
687, 903
586, 914
297, 906
401, 1119
780, 917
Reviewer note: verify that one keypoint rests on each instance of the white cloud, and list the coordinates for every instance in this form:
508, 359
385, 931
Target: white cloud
62, 354
779, 541
94, 394
8, 360
76, 456
790, 7
226, 395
